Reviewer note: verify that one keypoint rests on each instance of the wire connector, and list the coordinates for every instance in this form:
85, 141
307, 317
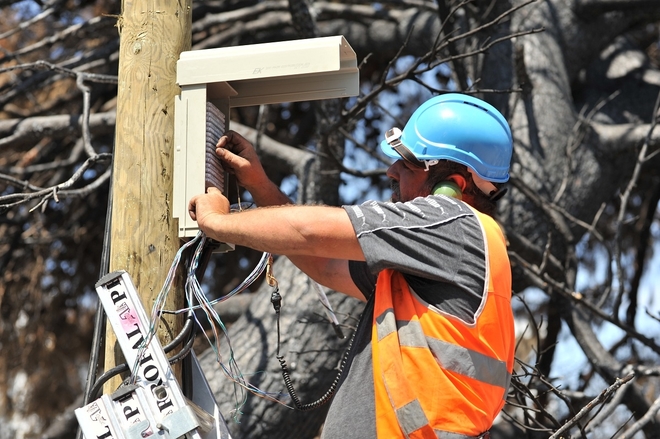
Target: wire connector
276, 300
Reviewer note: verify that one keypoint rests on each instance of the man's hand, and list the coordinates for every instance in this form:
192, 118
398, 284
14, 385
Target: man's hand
239, 158
205, 207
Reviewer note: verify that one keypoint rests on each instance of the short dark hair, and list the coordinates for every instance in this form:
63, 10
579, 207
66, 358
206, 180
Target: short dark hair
441, 171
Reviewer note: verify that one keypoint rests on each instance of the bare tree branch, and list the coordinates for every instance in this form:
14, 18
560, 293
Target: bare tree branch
625, 137
18, 132
641, 159
6, 201
603, 396
649, 417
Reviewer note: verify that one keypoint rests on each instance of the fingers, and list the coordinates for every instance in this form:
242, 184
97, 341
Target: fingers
240, 158
203, 205
234, 142
234, 150
192, 208
231, 160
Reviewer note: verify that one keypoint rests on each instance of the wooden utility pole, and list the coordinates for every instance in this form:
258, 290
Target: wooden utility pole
144, 237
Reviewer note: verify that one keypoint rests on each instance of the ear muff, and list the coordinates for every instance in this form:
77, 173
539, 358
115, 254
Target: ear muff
448, 188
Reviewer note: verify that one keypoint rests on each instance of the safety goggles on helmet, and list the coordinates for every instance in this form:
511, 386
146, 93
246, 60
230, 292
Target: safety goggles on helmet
393, 138
459, 128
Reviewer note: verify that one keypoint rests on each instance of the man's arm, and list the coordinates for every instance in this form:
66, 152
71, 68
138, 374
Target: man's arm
319, 240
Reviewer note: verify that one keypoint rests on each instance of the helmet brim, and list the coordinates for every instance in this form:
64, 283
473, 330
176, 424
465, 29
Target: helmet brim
393, 154
389, 151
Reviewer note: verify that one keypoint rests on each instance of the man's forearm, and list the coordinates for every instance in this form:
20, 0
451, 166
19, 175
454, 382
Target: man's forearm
268, 194
288, 230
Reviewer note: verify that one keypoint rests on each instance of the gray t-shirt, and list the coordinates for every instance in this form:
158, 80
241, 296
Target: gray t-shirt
438, 244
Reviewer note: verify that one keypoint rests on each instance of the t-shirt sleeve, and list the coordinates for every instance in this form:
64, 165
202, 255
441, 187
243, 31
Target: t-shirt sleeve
437, 242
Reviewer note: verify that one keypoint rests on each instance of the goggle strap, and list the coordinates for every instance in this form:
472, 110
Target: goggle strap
393, 136
407, 154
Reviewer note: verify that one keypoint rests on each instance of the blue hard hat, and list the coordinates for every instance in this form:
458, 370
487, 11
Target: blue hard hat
459, 128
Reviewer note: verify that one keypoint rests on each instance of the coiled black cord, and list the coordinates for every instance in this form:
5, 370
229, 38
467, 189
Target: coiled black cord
276, 300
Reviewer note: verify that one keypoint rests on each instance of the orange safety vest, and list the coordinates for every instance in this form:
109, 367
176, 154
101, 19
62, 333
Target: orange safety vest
436, 376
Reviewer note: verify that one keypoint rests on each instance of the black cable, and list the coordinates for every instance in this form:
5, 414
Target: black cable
99, 321
276, 300
122, 368
105, 377
187, 329
186, 334
185, 350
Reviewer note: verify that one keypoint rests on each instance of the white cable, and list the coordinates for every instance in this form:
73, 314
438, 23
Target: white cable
323, 298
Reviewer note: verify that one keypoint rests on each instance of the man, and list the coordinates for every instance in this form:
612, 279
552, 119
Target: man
433, 352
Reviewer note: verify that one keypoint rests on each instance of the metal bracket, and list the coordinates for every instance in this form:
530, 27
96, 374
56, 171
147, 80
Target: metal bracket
154, 405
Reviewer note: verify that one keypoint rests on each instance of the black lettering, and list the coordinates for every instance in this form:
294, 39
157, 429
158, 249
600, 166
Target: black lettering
150, 372
116, 297
153, 370
145, 359
162, 405
134, 333
105, 435
129, 412
162, 399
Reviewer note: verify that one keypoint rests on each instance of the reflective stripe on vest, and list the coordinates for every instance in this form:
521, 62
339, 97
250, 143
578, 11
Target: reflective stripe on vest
450, 356
442, 378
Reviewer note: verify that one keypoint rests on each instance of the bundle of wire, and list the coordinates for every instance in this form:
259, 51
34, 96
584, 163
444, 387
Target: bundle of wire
195, 295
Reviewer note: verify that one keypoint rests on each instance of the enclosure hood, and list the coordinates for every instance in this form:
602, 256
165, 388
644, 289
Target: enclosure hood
269, 73
213, 81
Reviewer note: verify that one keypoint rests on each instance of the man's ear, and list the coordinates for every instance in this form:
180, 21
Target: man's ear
459, 180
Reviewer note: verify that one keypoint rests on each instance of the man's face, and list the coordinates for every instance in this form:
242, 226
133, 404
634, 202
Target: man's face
408, 181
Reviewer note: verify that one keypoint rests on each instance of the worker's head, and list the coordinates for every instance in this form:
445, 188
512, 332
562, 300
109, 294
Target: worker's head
450, 138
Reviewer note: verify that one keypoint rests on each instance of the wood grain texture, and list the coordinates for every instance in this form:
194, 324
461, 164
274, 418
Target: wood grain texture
144, 236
